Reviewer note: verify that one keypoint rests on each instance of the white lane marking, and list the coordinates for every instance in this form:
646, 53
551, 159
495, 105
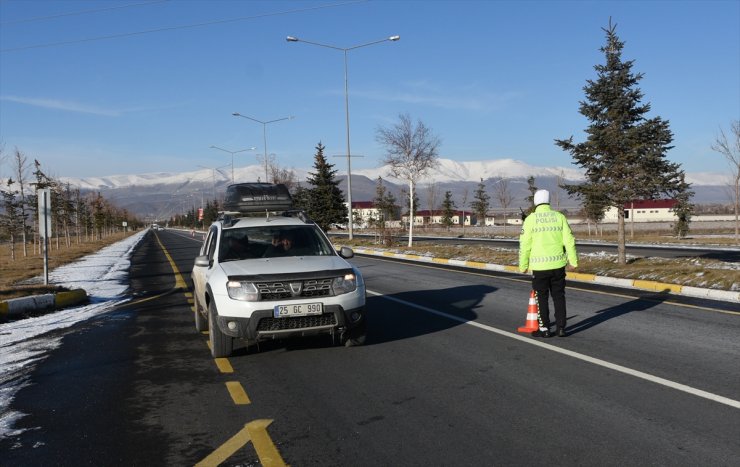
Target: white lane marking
570, 353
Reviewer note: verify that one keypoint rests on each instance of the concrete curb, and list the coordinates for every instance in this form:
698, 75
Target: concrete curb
17, 306
654, 286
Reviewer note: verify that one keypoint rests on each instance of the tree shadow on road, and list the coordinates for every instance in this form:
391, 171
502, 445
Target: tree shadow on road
639, 304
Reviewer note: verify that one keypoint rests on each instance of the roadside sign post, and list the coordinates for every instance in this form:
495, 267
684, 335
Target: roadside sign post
44, 202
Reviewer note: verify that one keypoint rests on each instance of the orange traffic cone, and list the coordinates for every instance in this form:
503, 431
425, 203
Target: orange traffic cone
532, 323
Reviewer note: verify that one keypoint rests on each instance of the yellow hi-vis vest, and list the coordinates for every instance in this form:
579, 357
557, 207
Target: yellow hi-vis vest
546, 241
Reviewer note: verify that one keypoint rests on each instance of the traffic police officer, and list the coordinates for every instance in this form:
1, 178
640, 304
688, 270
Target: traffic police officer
546, 247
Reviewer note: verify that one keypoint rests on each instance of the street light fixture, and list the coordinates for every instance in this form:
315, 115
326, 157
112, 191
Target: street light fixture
232, 157
264, 132
346, 108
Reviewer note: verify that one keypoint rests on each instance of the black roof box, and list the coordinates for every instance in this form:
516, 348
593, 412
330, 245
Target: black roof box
257, 197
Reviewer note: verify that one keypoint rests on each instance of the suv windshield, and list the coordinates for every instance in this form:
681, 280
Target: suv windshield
270, 242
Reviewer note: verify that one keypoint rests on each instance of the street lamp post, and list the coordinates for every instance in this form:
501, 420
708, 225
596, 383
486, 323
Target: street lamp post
346, 109
232, 157
213, 174
264, 133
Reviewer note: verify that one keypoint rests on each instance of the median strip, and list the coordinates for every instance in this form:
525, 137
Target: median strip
653, 286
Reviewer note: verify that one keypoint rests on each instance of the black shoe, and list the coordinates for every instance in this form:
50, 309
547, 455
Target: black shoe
540, 333
561, 332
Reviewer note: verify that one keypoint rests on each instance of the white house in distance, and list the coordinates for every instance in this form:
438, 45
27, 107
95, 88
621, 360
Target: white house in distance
426, 217
658, 210
364, 213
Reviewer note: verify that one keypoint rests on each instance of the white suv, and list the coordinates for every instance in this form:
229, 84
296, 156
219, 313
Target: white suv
274, 276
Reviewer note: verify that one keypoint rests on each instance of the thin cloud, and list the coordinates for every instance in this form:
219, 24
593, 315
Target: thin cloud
465, 98
66, 106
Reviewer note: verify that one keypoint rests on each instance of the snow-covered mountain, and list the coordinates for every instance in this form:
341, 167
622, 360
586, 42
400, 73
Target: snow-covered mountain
447, 171
162, 195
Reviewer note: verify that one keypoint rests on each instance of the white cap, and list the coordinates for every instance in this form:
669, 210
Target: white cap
541, 197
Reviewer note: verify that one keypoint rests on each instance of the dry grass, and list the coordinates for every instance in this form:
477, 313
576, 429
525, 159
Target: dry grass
16, 273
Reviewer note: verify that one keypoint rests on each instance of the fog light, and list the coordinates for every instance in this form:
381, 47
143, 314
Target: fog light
355, 316
232, 325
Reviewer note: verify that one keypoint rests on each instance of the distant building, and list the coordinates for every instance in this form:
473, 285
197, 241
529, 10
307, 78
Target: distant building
435, 217
364, 213
659, 210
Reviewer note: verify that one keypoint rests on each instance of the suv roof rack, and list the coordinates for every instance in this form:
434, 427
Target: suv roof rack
244, 198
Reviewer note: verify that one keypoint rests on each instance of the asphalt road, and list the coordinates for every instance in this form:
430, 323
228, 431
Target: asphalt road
444, 379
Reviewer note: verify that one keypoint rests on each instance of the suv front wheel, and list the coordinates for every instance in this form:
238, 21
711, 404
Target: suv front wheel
356, 336
221, 344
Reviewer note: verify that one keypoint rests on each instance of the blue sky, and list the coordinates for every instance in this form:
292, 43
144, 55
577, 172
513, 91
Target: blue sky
90, 89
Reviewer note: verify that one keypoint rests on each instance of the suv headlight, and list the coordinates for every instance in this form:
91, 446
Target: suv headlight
245, 291
344, 284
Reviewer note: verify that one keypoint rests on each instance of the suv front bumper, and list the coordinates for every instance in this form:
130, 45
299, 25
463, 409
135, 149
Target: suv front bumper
263, 326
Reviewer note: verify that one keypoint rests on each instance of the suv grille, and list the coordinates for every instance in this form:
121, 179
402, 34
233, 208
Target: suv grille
298, 322
280, 290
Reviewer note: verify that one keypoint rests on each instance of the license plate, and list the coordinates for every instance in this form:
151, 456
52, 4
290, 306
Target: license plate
301, 309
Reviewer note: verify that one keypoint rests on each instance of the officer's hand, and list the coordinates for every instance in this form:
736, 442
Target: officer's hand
571, 268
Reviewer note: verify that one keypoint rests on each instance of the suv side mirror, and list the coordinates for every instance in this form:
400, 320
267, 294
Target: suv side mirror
346, 252
202, 261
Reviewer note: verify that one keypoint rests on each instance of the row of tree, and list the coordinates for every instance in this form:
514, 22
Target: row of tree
76, 216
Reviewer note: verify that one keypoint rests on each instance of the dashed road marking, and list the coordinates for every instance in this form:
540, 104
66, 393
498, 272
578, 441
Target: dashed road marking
238, 394
223, 364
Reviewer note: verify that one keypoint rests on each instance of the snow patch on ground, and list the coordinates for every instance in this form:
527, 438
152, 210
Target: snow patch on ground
25, 342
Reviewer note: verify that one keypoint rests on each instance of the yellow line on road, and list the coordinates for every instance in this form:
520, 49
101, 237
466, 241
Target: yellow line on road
266, 450
147, 299
238, 394
226, 450
224, 365
179, 281
255, 431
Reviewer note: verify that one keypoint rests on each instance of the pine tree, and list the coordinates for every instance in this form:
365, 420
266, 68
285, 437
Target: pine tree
532, 188
683, 209
326, 201
624, 153
301, 197
448, 210
384, 202
481, 203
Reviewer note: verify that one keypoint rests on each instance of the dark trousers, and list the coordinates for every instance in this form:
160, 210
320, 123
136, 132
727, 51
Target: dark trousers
546, 283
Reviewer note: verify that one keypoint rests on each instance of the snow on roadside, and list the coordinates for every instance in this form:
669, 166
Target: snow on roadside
23, 343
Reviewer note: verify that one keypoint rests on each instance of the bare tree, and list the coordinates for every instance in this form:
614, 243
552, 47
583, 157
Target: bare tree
411, 153
21, 172
731, 150
432, 191
283, 175
502, 193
